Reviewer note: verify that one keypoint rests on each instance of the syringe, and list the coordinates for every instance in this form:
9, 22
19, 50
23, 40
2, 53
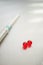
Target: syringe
6, 30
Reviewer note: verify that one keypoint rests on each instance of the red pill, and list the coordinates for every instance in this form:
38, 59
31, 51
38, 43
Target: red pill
29, 43
24, 45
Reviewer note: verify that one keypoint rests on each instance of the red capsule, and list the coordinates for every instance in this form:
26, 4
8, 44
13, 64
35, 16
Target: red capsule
29, 43
24, 45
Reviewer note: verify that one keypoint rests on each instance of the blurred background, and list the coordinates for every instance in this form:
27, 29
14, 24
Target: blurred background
29, 26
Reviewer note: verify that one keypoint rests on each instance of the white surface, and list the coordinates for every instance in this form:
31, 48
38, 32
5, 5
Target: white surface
29, 26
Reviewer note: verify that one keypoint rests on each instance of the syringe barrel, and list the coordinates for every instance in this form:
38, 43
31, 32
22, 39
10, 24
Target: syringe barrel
3, 34
5, 31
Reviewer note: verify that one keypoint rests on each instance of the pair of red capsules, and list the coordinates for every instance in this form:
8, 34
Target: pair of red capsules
27, 44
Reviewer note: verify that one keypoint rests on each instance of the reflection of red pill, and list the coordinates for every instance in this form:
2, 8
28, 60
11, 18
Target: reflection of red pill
29, 43
24, 45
